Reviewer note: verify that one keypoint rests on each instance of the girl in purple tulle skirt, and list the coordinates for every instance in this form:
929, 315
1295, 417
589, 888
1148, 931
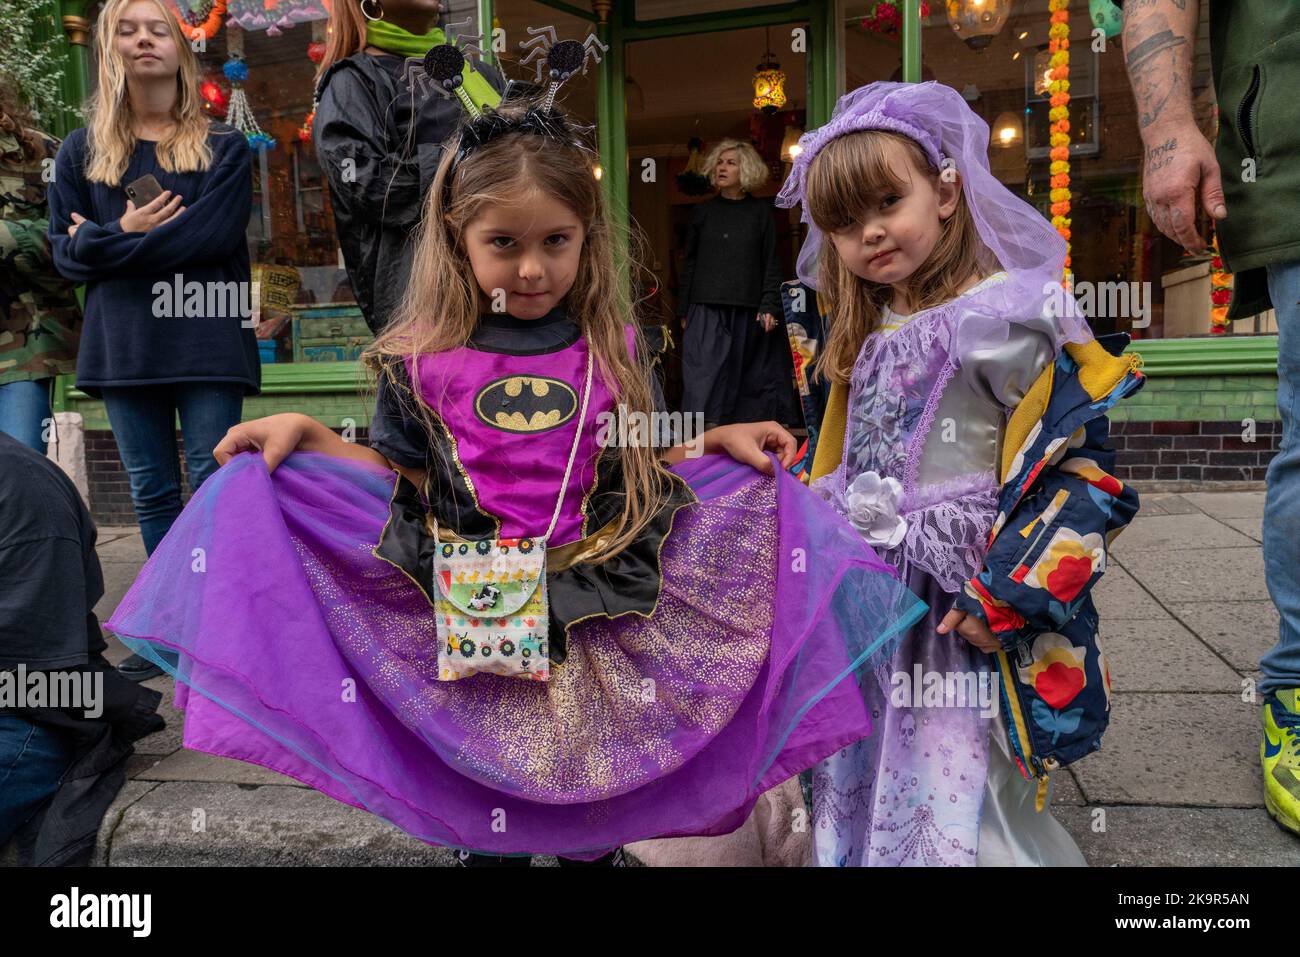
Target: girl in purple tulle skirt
518, 621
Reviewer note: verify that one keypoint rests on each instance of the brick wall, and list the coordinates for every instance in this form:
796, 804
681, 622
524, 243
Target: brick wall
1164, 451
1194, 451
110, 489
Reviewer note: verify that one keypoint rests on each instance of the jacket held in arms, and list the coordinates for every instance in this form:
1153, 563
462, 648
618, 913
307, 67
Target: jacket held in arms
1059, 510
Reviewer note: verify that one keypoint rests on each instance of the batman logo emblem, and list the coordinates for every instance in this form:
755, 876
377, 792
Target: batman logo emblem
526, 404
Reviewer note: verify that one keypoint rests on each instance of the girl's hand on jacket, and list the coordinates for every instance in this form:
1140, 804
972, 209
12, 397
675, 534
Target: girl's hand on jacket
972, 629
77, 220
767, 321
746, 442
162, 209
274, 436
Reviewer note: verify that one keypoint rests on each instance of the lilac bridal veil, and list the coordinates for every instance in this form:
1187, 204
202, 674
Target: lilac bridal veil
1016, 236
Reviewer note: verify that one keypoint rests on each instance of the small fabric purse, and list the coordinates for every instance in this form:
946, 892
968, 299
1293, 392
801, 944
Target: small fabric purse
490, 596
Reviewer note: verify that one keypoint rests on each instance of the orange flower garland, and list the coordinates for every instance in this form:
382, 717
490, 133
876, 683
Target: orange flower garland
1220, 291
208, 27
1059, 88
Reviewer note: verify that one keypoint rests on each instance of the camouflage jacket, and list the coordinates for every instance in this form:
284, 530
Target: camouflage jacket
40, 321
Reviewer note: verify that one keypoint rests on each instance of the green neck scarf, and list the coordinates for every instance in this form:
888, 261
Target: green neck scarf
393, 39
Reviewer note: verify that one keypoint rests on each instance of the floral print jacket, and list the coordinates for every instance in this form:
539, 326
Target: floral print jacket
1059, 509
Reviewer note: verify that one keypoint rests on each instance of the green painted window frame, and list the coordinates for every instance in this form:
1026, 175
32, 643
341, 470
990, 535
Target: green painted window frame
1232, 355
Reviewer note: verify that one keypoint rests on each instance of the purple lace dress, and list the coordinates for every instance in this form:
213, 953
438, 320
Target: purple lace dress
928, 404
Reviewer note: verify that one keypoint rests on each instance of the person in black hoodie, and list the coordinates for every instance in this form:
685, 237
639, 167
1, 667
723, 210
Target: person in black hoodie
378, 144
61, 762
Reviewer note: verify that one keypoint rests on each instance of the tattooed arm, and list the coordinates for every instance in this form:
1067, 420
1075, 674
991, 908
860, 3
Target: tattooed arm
1178, 164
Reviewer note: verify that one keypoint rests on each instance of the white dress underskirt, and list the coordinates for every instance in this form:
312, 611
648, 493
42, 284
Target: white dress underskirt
1012, 833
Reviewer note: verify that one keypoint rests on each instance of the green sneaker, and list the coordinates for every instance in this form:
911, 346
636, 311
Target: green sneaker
1279, 753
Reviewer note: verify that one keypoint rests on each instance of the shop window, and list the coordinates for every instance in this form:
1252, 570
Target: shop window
1141, 282
1083, 103
1135, 279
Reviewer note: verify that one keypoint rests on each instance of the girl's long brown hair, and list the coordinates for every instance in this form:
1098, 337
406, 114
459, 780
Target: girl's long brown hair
848, 176
443, 301
111, 140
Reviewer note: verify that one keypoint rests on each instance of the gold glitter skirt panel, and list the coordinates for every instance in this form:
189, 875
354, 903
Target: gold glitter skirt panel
635, 699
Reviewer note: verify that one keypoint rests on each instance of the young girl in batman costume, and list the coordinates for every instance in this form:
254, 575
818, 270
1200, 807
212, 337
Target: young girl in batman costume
708, 615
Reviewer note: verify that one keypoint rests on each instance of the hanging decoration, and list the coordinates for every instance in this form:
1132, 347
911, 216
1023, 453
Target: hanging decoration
240, 113
769, 83
304, 131
1059, 115
315, 53
275, 16
886, 19
977, 22
204, 16
1220, 289
215, 91
1107, 17
769, 86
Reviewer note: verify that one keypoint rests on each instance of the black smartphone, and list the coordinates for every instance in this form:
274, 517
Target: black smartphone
144, 190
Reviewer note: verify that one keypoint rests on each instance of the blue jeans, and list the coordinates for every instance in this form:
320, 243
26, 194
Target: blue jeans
24, 407
143, 420
1281, 666
33, 758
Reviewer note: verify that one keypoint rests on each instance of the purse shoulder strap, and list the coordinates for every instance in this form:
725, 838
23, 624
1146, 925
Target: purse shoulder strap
573, 454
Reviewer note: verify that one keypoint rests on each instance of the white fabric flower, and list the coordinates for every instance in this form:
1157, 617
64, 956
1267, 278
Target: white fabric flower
873, 509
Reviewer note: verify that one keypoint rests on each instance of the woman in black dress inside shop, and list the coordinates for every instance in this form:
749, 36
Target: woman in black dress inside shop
378, 145
736, 364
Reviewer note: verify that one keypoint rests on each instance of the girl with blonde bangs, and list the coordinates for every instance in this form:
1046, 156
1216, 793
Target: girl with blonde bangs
152, 198
852, 174
518, 514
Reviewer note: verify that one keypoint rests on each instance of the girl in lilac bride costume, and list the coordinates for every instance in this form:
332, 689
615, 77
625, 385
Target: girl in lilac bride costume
939, 280
708, 622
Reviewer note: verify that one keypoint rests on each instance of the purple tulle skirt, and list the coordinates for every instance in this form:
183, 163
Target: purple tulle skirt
301, 651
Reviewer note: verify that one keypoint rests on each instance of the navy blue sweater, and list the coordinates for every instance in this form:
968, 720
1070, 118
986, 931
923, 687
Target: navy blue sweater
125, 341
